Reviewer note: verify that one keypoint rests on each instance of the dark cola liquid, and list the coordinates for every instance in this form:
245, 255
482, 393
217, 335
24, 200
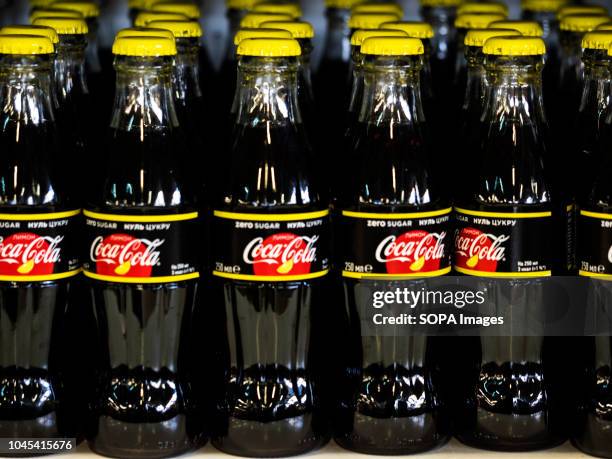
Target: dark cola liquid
34, 356
269, 402
389, 397
143, 403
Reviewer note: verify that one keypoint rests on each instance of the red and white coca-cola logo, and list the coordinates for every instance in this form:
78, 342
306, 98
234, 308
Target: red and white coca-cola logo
29, 254
479, 251
412, 252
125, 255
281, 254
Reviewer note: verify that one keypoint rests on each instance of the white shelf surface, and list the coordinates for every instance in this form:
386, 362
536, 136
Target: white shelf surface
452, 450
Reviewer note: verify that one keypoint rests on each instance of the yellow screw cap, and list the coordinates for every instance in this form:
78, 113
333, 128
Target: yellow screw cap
136, 4
474, 7
298, 29
64, 26
39, 30
87, 9
144, 46
254, 20
269, 47
39, 3
144, 32
582, 22
359, 36
414, 29
143, 19
514, 46
440, 3
606, 26
597, 39
191, 10
244, 34
374, 7
25, 44
477, 20
240, 4
392, 46
581, 9
542, 6
610, 51
290, 9
526, 28
341, 4
371, 20
180, 29
54, 13
478, 37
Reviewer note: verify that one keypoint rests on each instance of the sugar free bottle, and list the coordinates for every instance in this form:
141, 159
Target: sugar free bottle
509, 387
270, 263
388, 398
141, 260
592, 427
39, 249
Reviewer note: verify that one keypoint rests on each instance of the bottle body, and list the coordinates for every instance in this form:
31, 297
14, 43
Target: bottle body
141, 219
39, 269
388, 398
270, 265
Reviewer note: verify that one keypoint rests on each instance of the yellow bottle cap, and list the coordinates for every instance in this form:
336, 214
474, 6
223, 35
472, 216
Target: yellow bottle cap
143, 19
191, 10
581, 9
370, 20
359, 36
254, 20
597, 39
526, 28
606, 26
64, 26
244, 34
39, 3
290, 9
341, 4
414, 29
144, 32
440, 3
610, 51
144, 46
54, 13
136, 4
87, 9
392, 46
240, 4
39, 30
269, 47
542, 6
298, 29
474, 7
582, 22
180, 29
478, 37
374, 7
514, 46
25, 44
477, 20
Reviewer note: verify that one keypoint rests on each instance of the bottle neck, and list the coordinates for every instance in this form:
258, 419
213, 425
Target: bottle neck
185, 77
515, 91
143, 97
267, 92
476, 80
356, 80
25, 95
69, 68
92, 56
597, 80
337, 42
392, 93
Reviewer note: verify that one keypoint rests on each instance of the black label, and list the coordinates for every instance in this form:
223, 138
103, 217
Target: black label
271, 247
595, 244
503, 243
39, 247
414, 244
141, 248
